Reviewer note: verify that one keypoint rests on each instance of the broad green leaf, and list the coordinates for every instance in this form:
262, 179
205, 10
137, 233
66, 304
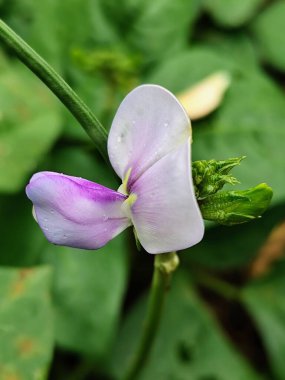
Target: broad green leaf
38, 24
189, 344
89, 22
268, 29
232, 13
26, 323
156, 31
88, 290
88, 285
236, 46
232, 247
21, 240
264, 299
190, 67
29, 124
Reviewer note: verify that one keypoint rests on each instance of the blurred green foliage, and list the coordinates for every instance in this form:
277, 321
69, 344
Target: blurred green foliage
264, 299
23, 143
189, 346
26, 323
103, 48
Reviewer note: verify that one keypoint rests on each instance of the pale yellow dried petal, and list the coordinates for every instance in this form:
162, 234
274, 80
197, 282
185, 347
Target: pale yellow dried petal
204, 97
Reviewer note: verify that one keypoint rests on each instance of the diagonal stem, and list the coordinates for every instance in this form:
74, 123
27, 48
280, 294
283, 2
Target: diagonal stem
164, 265
57, 85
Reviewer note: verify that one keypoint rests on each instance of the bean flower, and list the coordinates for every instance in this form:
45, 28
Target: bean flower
149, 147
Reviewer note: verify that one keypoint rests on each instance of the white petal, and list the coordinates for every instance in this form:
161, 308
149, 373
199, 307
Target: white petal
149, 124
165, 214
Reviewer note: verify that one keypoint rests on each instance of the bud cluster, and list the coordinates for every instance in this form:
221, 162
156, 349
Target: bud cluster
227, 207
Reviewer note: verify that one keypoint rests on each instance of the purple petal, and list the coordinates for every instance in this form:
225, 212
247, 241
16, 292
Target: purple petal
165, 214
76, 212
149, 124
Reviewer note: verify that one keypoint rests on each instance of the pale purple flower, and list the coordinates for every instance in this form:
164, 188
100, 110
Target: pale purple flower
149, 148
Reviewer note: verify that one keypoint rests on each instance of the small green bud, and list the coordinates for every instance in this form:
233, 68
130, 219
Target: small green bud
236, 207
166, 262
210, 176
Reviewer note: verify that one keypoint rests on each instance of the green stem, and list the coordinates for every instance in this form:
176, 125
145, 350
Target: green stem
57, 85
164, 265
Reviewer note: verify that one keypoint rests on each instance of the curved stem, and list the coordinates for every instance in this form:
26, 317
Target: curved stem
57, 85
164, 265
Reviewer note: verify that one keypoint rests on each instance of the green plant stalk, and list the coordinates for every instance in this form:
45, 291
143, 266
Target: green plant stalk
164, 265
57, 85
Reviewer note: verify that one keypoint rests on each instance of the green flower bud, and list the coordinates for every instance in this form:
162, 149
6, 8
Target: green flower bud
236, 207
210, 176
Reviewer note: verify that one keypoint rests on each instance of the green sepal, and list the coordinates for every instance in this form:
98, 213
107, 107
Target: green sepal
236, 207
210, 176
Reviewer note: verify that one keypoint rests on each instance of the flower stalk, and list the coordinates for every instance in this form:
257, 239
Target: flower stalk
57, 85
164, 265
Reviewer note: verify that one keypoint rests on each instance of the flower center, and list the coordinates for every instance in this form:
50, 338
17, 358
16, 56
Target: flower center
128, 203
123, 189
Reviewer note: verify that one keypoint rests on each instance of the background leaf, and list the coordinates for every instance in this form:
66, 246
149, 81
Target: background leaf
29, 124
232, 13
268, 29
26, 323
88, 290
189, 345
189, 67
21, 242
237, 46
264, 299
232, 247
152, 29
36, 22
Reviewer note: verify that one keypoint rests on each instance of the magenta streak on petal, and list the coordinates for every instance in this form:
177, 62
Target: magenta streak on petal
89, 186
76, 212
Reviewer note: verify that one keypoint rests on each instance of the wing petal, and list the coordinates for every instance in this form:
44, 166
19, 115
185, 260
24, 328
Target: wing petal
76, 212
